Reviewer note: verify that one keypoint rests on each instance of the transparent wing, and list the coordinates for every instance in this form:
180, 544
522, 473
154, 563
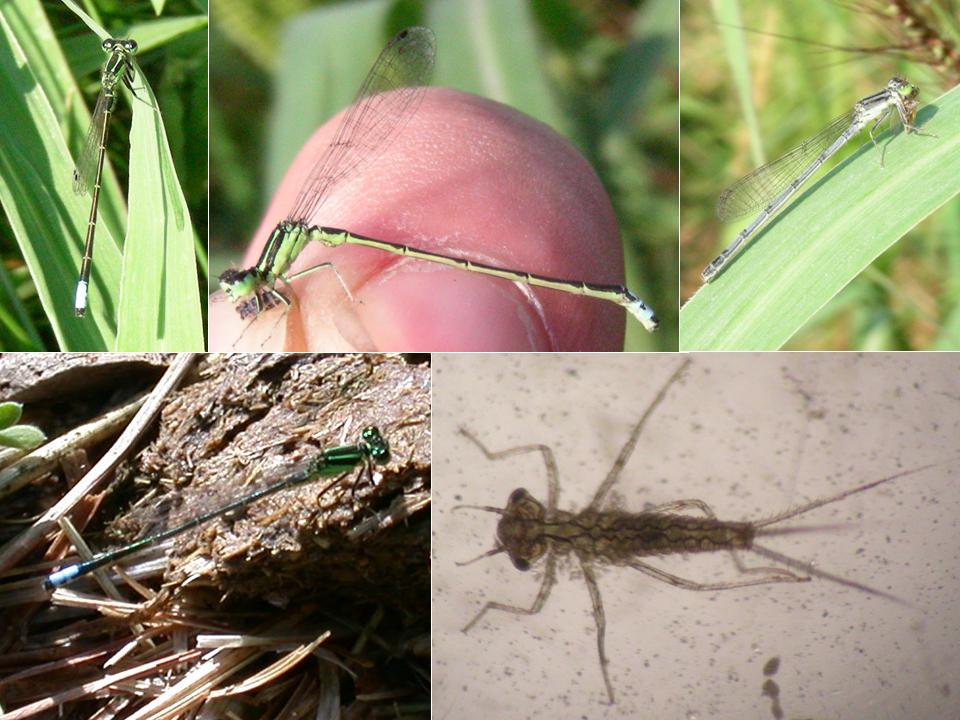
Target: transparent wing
86, 169
387, 99
757, 189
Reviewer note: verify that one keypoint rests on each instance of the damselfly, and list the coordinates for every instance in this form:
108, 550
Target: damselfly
387, 100
87, 175
332, 462
771, 185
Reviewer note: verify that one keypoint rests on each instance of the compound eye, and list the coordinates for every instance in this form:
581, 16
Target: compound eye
379, 451
521, 564
108, 43
130, 45
517, 495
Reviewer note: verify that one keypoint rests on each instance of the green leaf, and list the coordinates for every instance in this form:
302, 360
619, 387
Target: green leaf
485, 45
159, 296
36, 170
159, 32
831, 232
306, 42
10, 413
730, 27
22, 437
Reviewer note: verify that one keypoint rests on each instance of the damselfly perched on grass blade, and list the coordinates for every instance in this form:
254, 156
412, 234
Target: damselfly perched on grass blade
769, 187
662, 641
117, 70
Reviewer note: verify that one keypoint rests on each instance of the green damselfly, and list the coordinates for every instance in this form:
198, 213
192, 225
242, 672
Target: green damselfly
372, 447
388, 98
89, 169
770, 186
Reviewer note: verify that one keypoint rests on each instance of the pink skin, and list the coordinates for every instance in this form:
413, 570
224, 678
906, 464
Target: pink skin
466, 177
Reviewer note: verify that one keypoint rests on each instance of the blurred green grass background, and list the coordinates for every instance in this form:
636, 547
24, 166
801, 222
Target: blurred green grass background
757, 78
603, 74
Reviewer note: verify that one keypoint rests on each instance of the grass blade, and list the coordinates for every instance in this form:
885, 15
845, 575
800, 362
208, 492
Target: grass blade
159, 296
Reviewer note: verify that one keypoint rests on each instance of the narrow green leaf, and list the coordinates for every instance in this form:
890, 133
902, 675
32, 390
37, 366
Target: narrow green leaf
492, 49
18, 332
837, 226
306, 43
159, 296
484, 45
36, 177
89, 21
157, 33
730, 27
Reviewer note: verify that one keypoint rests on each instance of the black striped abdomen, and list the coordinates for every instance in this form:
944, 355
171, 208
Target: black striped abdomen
618, 537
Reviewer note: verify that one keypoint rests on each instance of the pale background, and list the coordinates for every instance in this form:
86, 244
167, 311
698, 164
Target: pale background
750, 435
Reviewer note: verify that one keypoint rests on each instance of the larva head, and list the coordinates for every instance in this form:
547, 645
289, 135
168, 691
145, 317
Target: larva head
519, 530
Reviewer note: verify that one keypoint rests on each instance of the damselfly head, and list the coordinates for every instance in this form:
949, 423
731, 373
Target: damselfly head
907, 90
126, 44
239, 283
374, 445
250, 290
908, 93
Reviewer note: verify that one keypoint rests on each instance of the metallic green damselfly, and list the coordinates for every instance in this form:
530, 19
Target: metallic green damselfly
372, 447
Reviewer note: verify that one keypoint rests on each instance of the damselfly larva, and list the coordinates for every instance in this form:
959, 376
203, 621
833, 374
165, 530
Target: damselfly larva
530, 531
